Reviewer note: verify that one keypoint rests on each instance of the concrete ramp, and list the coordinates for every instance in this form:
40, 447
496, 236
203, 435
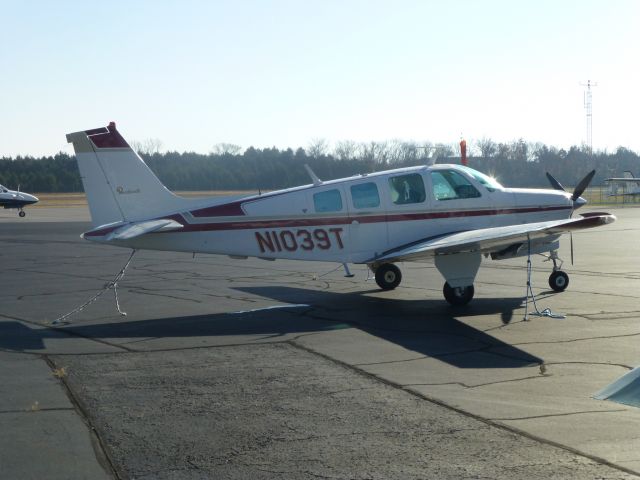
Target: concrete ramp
625, 390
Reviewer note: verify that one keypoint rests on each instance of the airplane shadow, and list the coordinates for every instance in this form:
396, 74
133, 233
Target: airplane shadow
427, 327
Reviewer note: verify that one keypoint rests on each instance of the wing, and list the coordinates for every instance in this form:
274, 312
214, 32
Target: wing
490, 240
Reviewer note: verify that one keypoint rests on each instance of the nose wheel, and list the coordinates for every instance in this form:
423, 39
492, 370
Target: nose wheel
21, 213
558, 281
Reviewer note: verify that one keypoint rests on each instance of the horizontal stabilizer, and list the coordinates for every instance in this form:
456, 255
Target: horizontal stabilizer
126, 231
132, 230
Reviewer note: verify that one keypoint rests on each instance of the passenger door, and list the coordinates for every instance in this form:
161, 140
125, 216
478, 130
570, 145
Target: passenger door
368, 227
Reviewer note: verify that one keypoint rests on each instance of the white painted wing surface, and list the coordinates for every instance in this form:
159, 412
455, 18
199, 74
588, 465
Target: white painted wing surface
495, 239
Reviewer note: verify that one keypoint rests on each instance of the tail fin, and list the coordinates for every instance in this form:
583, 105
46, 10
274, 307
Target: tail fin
118, 184
628, 174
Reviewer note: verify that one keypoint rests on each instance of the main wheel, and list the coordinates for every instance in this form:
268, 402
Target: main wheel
21, 213
458, 295
558, 281
388, 276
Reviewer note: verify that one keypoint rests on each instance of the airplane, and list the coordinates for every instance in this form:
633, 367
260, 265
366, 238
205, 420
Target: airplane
630, 185
451, 214
16, 199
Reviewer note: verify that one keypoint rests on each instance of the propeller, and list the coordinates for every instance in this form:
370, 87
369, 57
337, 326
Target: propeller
555, 183
575, 197
579, 190
582, 186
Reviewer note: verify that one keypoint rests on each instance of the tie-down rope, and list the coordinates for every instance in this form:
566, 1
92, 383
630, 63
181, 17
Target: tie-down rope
112, 284
547, 311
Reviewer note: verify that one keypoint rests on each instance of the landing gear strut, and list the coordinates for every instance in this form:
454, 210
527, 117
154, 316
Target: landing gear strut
458, 296
558, 280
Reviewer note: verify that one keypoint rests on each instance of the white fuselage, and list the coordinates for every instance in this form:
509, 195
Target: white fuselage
15, 199
354, 219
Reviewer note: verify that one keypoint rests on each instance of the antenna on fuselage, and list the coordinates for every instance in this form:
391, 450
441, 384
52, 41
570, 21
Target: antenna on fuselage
314, 178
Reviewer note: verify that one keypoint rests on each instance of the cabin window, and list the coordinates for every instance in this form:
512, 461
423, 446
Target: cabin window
365, 195
407, 189
450, 185
329, 201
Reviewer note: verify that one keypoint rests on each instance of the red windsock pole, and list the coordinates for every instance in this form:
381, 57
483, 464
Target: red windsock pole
463, 151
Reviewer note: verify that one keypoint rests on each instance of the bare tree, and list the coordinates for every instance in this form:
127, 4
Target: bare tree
226, 148
346, 150
148, 146
318, 147
441, 151
487, 147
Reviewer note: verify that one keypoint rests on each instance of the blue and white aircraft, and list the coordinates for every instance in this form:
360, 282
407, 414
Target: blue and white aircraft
16, 199
450, 214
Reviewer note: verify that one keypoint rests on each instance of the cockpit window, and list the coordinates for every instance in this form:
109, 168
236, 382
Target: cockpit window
449, 185
488, 182
407, 189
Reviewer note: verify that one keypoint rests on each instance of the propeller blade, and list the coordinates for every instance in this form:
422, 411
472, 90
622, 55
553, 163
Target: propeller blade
582, 186
555, 183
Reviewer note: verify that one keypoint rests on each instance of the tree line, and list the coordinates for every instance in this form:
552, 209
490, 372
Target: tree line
226, 167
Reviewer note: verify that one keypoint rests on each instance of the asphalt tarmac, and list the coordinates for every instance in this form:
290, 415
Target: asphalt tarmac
237, 369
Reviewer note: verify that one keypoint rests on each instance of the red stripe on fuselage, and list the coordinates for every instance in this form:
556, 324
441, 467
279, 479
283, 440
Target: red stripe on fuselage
342, 220
345, 220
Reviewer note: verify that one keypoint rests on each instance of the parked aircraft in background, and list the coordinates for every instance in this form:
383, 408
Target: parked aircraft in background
451, 214
629, 185
16, 199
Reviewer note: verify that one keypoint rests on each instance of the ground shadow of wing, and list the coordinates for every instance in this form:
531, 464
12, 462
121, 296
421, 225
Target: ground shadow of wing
429, 327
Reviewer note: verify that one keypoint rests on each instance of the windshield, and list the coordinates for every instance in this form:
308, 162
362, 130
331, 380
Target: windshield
490, 183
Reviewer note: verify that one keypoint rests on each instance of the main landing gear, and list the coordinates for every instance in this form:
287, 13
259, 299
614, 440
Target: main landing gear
458, 296
388, 277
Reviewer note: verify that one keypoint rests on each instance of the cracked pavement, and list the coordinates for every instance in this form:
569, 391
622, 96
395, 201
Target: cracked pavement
251, 369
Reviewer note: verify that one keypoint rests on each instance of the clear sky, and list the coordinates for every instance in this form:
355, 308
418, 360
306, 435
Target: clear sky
282, 73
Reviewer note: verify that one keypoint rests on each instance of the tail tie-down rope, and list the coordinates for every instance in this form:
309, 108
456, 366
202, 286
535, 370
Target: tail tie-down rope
537, 313
112, 284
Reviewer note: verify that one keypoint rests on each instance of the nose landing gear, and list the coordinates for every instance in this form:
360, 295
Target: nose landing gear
558, 280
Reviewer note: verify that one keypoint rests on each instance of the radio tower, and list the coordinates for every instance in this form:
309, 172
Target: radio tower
587, 107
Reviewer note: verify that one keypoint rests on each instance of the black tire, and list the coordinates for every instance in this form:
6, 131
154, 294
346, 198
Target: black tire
458, 296
21, 213
558, 281
388, 276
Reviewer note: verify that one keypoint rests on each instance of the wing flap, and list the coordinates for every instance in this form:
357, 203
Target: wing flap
493, 239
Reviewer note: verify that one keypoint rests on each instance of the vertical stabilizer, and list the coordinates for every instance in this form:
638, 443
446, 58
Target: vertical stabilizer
118, 184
